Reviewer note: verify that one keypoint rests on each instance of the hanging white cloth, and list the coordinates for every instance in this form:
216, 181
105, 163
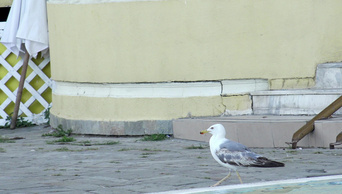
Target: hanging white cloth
27, 24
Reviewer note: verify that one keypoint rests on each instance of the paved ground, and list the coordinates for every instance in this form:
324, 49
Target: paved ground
32, 165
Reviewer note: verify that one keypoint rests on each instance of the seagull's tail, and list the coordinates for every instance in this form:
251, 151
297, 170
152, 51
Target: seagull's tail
264, 162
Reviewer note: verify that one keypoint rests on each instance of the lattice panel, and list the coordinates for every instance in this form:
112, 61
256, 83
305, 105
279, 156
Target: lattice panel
36, 84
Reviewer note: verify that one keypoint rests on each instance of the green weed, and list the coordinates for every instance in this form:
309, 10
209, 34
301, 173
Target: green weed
124, 149
21, 122
155, 137
47, 115
62, 140
6, 140
196, 147
65, 139
59, 132
152, 150
107, 143
65, 149
292, 151
89, 143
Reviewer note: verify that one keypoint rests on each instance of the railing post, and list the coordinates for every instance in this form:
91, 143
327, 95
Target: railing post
309, 126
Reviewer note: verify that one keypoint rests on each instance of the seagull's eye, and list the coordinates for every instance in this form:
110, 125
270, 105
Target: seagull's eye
211, 127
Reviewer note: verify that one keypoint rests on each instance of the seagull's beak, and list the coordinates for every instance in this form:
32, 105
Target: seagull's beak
203, 132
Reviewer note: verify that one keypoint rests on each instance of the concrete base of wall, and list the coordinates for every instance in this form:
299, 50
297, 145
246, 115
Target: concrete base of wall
250, 130
116, 128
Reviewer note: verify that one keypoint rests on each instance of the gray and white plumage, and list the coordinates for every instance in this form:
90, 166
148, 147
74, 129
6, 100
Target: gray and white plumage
231, 154
237, 154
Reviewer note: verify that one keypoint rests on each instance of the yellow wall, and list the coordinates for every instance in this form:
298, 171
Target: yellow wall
5, 3
191, 40
111, 109
152, 41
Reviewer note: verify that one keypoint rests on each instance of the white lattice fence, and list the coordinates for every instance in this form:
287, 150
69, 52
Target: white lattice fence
36, 94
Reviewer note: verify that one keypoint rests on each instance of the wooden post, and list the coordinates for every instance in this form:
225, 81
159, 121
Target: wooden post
20, 90
338, 141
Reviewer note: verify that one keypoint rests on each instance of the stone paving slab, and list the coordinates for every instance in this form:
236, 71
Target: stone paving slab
31, 165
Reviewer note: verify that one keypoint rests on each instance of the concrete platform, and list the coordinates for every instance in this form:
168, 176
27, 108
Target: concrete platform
261, 131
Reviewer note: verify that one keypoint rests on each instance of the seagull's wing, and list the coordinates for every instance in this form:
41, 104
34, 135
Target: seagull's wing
235, 153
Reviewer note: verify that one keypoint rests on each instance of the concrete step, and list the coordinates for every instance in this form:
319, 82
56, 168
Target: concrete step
328, 87
261, 131
293, 102
329, 75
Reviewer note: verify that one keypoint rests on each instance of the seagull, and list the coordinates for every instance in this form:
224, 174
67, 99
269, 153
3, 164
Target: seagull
231, 154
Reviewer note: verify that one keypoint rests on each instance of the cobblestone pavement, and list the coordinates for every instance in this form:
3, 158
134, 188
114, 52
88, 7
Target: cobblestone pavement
129, 165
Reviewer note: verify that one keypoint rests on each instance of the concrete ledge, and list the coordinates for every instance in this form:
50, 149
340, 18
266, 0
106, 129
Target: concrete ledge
138, 90
243, 86
119, 128
261, 131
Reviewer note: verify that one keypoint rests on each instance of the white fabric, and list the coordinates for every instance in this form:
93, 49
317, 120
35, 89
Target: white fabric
27, 24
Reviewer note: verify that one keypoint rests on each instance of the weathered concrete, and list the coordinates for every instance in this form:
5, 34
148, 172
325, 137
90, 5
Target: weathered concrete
118, 128
305, 101
262, 130
294, 102
31, 165
329, 75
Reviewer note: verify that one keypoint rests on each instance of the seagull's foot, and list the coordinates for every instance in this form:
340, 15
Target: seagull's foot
239, 177
225, 178
216, 184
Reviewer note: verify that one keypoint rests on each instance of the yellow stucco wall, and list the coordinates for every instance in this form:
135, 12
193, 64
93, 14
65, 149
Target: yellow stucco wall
152, 41
190, 40
5, 3
111, 109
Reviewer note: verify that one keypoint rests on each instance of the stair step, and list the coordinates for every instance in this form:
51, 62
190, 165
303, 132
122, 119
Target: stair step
329, 75
261, 130
328, 87
293, 102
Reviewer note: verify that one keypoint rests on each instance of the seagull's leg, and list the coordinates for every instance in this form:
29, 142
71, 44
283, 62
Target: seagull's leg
225, 178
238, 176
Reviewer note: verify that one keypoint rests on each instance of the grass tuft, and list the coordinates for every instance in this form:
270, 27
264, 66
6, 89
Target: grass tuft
21, 122
155, 137
62, 140
107, 143
59, 132
6, 140
89, 143
65, 149
196, 147
65, 139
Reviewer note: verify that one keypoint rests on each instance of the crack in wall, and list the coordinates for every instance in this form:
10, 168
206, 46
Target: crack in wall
221, 96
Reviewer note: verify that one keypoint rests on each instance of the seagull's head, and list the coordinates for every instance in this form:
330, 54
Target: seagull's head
216, 129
